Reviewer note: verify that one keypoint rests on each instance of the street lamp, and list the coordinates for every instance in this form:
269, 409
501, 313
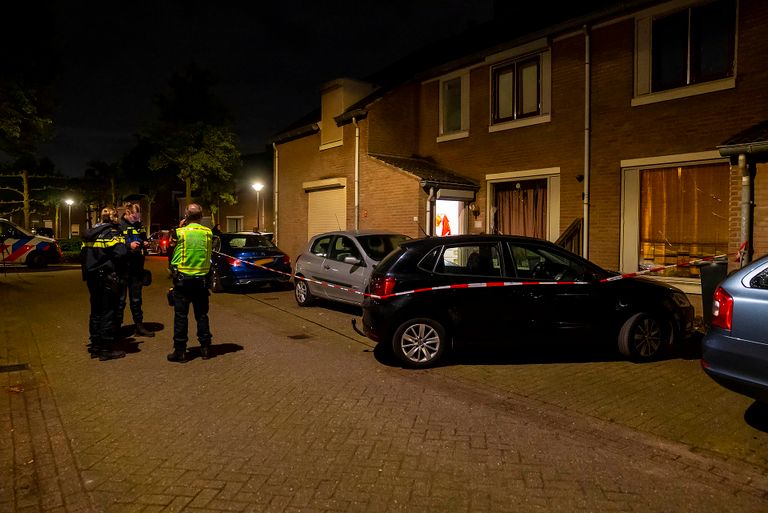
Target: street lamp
69, 215
258, 186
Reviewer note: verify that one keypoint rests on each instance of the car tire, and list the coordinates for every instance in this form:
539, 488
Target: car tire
216, 285
36, 260
644, 337
419, 342
302, 294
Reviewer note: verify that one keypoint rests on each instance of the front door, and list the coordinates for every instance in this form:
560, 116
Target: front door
521, 207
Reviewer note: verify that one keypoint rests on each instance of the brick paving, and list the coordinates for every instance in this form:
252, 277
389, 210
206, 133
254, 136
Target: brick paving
297, 415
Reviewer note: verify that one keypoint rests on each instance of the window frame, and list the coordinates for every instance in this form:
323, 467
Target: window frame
463, 79
644, 92
515, 66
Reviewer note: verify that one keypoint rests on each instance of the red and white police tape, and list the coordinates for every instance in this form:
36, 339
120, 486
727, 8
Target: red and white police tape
478, 285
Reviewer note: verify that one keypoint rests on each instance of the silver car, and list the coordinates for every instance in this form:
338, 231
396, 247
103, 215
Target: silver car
336, 265
735, 346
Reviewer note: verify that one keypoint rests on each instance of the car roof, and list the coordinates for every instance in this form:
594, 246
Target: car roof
469, 238
357, 233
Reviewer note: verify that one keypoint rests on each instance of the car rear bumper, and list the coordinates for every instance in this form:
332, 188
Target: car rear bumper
736, 364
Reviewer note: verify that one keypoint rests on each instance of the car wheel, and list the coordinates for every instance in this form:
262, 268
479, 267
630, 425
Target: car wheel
216, 284
301, 291
36, 260
419, 342
644, 337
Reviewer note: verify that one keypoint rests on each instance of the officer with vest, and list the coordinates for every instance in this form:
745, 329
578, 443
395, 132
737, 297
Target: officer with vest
190, 264
131, 284
102, 260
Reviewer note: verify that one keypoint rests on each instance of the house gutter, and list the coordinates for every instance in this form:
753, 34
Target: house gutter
430, 223
275, 175
357, 173
587, 140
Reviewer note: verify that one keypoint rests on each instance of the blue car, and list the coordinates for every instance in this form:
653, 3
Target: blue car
243, 259
735, 346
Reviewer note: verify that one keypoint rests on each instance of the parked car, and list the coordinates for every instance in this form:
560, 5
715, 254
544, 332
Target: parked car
241, 259
344, 259
735, 345
497, 287
18, 246
159, 242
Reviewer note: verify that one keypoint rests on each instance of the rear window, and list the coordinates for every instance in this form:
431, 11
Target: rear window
380, 245
247, 242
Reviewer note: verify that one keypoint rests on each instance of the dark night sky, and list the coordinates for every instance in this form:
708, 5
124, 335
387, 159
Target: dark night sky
270, 58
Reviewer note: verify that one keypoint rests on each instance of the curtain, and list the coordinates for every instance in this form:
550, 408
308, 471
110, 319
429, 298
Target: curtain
521, 208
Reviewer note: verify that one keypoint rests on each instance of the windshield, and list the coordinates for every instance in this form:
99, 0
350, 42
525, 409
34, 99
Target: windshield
378, 246
246, 242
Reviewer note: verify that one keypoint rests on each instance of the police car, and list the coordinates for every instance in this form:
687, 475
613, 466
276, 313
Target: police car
18, 246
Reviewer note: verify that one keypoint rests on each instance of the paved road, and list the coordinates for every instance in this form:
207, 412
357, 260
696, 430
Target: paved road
297, 413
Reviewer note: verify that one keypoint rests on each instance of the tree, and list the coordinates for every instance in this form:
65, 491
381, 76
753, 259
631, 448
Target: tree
30, 186
194, 137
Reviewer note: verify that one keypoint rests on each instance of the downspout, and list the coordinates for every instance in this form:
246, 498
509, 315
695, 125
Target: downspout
430, 223
275, 174
587, 138
357, 173
747, 209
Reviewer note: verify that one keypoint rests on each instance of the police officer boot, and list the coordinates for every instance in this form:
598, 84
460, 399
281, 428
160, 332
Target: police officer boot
105, 353
178, 356
141, 331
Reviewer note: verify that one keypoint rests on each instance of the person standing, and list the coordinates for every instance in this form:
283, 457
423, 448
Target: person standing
102, 260
190, 265
130, 286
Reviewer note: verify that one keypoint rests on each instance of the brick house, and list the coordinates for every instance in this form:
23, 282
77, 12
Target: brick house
623, 134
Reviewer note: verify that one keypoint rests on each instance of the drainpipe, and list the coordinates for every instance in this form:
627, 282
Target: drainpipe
747, 205
357, 173
587, 137
275, 163
430, 221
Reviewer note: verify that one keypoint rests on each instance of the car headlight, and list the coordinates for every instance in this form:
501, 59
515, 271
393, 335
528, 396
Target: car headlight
681, 299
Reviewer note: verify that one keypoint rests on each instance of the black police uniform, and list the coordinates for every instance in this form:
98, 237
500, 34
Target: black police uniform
133, 280
102, 261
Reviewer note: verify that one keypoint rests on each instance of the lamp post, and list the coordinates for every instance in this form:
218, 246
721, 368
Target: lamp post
258, 186
69, 215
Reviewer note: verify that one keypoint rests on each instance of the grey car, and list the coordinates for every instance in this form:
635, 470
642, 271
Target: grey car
735, 346
336, 265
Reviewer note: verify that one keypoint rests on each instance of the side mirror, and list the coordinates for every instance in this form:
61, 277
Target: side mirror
352, 260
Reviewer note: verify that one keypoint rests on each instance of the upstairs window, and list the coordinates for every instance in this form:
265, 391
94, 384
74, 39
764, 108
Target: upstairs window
454, 107
685, 52
517, 89
694, 45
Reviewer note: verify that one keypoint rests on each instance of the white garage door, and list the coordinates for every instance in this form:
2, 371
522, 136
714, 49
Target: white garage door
327, 210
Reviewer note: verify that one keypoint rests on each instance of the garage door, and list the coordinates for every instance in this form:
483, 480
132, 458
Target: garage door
327, 210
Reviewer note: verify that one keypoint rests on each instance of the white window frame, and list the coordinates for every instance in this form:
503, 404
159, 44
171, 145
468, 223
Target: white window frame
630, 209
552, 175
643, 52
464, 131
540, 47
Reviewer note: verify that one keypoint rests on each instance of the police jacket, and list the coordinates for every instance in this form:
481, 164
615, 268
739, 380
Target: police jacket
192, 254
134, 232
103, 251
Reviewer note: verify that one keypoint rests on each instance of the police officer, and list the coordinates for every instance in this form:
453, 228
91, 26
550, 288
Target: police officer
131, 284
190, 264
102, 260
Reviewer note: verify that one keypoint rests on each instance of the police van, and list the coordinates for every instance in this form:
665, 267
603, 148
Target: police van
18, 246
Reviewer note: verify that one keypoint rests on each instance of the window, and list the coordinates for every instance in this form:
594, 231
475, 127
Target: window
320, 246
693, 45
475, 260
683, 216
517, 89
343, 247
454, 106
692, 48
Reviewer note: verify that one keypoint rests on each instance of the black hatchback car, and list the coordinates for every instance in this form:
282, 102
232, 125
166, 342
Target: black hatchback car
241, 259
430, 293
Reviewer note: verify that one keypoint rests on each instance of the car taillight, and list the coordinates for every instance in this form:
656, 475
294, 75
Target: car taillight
234, 262
382, 285
722, 309
163, 242
286, 260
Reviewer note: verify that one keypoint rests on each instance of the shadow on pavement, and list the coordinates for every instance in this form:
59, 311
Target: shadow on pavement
757, 416
216, 350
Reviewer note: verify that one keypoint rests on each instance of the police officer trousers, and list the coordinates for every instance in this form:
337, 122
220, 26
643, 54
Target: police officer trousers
130, 289
192, 291
103, 290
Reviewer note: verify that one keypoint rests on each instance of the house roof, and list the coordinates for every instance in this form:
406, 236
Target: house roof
751, 141
431, 174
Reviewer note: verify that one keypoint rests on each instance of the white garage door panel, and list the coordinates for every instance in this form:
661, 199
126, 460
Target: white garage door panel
327, 211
